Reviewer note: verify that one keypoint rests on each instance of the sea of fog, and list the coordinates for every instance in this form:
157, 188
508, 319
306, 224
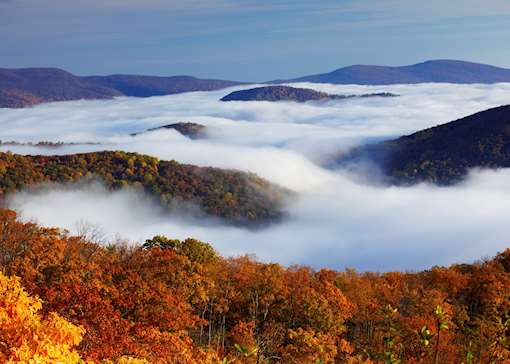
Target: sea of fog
338, 219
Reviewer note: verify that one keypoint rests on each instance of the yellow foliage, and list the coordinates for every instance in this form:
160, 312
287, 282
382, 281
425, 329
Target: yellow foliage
129, 360
307, 346
26, 337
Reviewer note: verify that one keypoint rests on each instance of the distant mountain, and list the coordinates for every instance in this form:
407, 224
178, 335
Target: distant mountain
287, 93
30, 86
449, 71
444, 154
190, 130
146, 86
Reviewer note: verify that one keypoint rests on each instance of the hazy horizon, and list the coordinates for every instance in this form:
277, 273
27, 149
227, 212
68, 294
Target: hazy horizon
247, 40
259, 81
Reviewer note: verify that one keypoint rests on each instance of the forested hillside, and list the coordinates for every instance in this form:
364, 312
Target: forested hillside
444, 154
287, 93
171, 301
235, 196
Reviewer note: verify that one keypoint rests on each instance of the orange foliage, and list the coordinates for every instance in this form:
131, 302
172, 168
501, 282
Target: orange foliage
172, 301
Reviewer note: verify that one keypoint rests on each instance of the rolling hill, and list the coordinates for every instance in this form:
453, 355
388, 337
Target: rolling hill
287, 93
444, 71
444, 154
277, 93
31, 86
237, 197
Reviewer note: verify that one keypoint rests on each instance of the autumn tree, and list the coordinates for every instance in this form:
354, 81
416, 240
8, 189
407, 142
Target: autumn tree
25, 336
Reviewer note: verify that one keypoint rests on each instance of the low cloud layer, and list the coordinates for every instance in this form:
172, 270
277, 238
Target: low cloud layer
335, 221
342, 224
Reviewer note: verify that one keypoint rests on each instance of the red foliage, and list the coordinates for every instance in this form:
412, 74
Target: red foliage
172, 301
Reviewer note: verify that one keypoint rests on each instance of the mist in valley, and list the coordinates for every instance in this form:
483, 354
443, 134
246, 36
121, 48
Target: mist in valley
337, 219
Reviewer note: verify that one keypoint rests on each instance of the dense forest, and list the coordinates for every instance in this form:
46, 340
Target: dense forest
235, 196
444, 154
65, 299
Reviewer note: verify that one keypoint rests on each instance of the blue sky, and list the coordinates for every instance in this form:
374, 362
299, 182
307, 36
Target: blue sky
246, 39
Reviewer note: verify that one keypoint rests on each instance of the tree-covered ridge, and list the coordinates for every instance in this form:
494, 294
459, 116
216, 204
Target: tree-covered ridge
171, 301
445, 153
232, 195
287, 93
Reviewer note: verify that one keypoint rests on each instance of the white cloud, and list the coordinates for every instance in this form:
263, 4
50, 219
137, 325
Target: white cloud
336, 221
338, 225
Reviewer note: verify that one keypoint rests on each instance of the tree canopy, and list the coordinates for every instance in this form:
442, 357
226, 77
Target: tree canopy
173, 301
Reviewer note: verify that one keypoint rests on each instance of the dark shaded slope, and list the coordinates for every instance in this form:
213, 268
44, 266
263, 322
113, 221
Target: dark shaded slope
444, 154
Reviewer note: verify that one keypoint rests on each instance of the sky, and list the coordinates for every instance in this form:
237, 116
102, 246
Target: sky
248, 40
337, 219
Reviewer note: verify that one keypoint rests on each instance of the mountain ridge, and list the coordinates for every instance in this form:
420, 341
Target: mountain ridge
445, 153
440, 70
31, 86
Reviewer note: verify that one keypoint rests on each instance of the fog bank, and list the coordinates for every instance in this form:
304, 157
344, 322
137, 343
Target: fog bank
336, 220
